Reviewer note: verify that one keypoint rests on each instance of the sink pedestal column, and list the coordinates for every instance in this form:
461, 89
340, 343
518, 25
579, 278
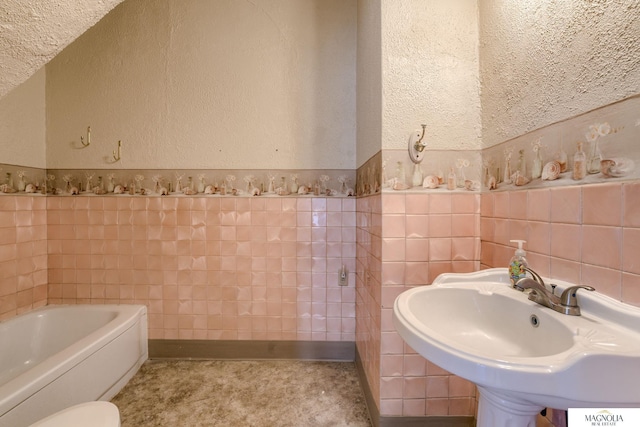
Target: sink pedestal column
496, 409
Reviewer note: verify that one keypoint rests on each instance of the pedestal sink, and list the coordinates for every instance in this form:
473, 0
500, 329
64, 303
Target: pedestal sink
523, 356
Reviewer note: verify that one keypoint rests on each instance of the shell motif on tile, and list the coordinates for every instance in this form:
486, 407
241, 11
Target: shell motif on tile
617, 167
431, 181
551, 171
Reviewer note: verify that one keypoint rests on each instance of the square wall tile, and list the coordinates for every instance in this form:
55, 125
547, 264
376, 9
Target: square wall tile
417, 204
438, 386
563, 269
465, 203
602, 246
487, 229
465, 249
414, 387
606, 281
501, 207
538, 237
631, 204
486, 205
631, 289
393, 204
465, 225
393, 273
416, 273
566, 242
602, 204
440, 225
414, 365
393, 249
631, 250
440, 249
417, 250
417, 226
539, 205
437, 407
440, 204
566, 205
393, 226
413, 407
518, 204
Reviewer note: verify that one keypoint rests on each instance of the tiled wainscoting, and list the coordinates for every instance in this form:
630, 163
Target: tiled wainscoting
587, 234
210, 268
266, 268
405, 240
23, 254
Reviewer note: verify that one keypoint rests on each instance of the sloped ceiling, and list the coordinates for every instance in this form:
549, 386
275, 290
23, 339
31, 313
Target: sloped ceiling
34, 31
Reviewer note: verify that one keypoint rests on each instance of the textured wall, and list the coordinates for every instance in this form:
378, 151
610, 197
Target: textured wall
22, 123
430, 73
224, 84
546, 61
34, 31
369, 81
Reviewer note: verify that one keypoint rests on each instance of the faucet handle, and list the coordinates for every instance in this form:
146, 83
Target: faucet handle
535, 275
568, 297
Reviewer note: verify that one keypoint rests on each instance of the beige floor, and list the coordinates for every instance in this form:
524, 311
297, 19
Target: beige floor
243, 393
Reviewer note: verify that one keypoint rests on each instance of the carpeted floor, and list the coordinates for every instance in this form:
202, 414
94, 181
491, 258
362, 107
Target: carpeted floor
243, 393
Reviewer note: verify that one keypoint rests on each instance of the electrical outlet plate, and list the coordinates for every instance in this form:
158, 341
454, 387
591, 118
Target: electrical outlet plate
343, 276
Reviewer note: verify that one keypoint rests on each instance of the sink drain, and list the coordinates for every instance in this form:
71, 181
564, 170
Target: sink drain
535, 322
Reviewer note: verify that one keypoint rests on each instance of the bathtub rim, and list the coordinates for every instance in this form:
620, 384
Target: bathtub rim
19, 389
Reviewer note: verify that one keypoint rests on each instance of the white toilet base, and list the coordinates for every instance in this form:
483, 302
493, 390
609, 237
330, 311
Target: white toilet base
95, 414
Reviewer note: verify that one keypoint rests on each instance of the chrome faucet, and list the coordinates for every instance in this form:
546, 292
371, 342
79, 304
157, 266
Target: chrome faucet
566, 303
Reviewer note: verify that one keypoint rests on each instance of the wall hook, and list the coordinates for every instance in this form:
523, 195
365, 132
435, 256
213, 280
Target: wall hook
117, 152
416, 145
419, 145
86, 144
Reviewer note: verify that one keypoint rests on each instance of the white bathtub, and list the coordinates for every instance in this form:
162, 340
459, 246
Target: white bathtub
58, 356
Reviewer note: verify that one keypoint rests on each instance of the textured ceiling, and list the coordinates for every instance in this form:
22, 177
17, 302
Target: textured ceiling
34, 31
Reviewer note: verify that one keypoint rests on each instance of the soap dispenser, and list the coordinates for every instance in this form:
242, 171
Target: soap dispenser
518, 263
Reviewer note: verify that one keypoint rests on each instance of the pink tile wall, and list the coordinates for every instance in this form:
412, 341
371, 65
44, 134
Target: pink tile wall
582, 234
433, 233
368, 297
23, 254
210, 268
422, 236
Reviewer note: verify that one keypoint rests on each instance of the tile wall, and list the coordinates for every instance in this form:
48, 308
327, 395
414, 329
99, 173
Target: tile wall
23, 254
266, 268
587, 235
369, 289
262, 268
404, 240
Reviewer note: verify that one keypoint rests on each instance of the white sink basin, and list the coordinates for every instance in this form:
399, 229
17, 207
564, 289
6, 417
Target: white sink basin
520, 353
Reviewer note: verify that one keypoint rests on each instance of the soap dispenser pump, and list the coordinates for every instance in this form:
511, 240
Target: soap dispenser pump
518, 263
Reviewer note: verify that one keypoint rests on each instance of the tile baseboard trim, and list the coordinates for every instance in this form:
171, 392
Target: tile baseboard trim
380, 421
428, 421
333, 351
374, 412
